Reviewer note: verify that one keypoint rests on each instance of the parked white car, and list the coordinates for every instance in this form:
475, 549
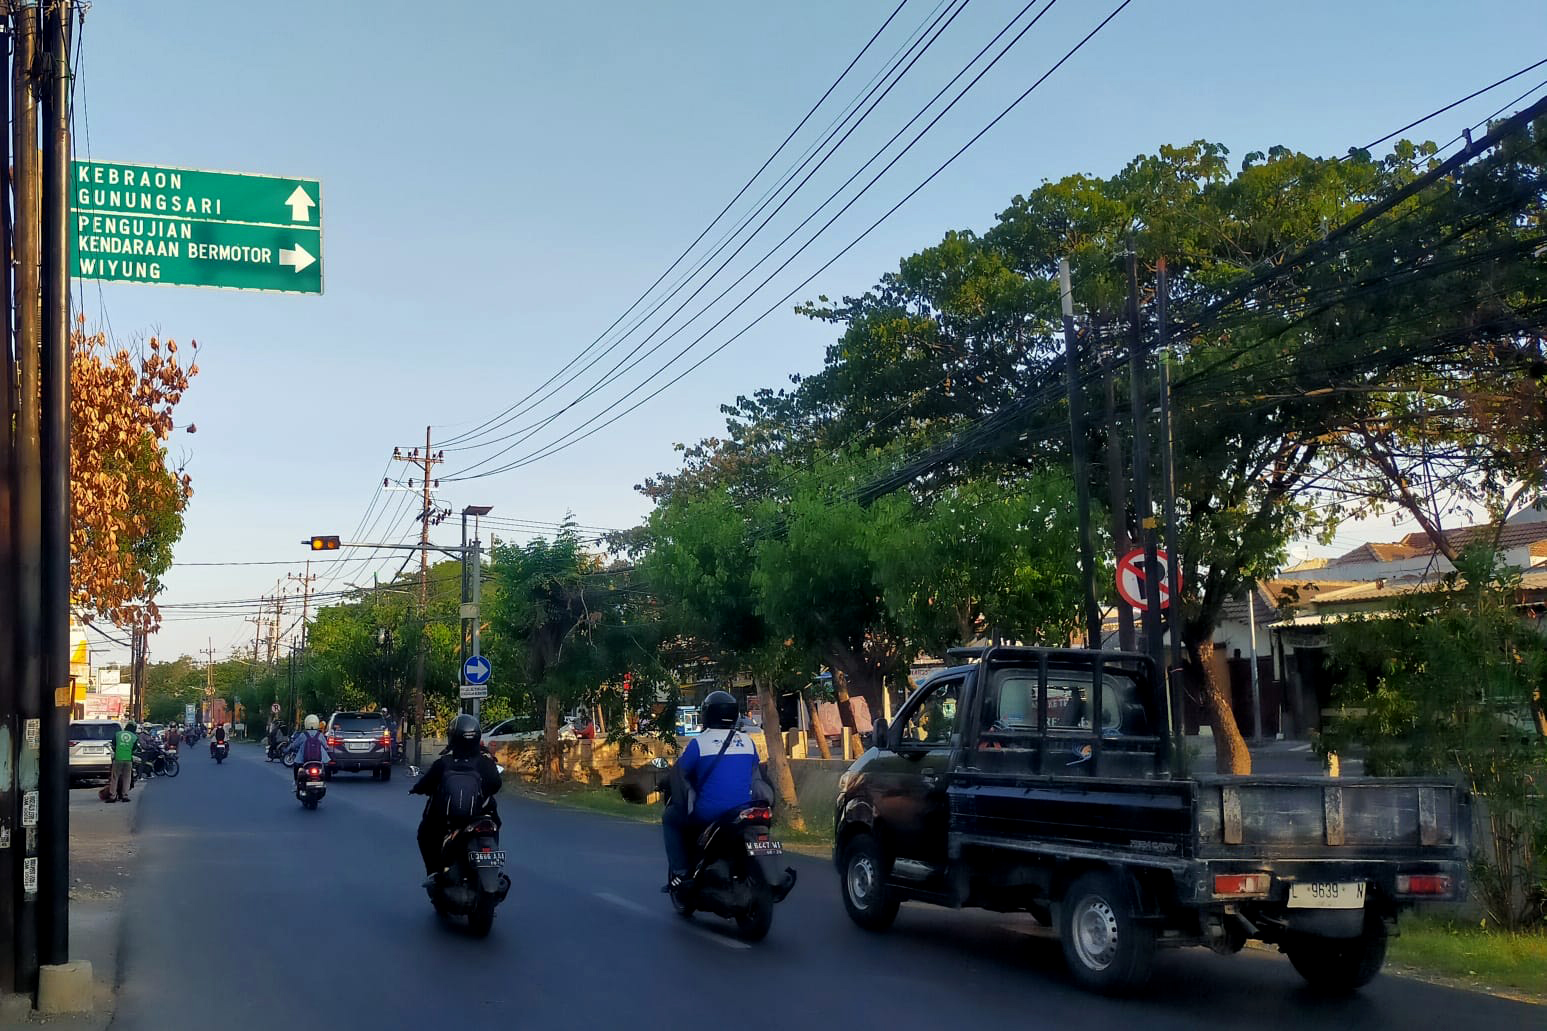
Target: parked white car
91, 748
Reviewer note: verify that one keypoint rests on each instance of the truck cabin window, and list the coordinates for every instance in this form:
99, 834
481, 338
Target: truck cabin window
1011, 708
934, 719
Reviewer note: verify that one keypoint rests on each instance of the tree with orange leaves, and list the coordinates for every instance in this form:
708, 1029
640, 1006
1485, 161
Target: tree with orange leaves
126, 503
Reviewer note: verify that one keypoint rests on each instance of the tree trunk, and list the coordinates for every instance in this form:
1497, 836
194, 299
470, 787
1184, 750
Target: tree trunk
778, 762
553, 768
816, 731
1231, 754
841, 696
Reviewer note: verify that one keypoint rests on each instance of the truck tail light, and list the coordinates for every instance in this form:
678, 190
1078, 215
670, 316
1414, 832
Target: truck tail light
1422, 884
1241, 884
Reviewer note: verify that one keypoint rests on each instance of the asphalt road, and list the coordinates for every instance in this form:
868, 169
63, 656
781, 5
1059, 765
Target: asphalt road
245, 911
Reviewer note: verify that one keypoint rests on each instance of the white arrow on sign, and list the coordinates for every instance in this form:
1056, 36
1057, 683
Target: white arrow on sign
300, 205
298, 257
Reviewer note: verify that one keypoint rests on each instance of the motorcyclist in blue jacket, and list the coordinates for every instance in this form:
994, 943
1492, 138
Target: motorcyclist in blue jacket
715, 774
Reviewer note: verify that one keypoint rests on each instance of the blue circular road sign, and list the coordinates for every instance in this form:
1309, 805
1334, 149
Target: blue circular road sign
476, 670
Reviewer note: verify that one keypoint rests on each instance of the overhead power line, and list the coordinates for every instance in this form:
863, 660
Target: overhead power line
704, 232
612, 413
901, 65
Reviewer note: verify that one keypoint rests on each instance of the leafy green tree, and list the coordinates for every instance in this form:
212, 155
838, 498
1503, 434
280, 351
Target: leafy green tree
984, 559
1451, 681
569, 622
703, 566
169, 686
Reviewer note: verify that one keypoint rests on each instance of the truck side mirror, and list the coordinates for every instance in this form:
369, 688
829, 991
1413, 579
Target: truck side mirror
878, 729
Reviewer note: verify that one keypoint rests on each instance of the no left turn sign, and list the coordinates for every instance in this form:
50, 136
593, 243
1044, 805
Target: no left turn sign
1131, 581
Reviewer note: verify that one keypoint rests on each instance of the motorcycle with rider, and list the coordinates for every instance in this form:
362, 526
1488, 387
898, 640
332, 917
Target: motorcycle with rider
717, 826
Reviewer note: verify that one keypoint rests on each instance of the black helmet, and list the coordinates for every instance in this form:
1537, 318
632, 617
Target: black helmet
719, 710
464, 735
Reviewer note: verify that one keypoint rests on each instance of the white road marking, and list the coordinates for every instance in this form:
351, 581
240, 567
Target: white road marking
623, 903
702, 932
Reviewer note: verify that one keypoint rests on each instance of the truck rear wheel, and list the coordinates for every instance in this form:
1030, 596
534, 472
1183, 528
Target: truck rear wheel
1338, 966
1105, 947
867, 896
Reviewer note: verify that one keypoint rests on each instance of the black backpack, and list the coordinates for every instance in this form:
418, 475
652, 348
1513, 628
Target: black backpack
460, 796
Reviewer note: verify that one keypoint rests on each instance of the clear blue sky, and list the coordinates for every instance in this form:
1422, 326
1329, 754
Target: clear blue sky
501, 180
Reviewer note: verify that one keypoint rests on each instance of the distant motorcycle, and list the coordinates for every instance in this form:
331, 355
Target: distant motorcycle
310, 785
275, 748
155, 761
220, 750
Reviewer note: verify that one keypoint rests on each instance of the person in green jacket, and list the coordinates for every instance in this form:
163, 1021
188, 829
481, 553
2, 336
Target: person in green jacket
123, 764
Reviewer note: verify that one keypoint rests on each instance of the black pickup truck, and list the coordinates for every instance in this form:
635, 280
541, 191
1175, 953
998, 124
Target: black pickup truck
1040, 780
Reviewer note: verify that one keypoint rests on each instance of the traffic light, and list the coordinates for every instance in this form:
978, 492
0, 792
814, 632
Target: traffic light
324, 543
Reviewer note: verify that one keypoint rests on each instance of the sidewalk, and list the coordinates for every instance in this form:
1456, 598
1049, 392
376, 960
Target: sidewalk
1292, 758
102, 849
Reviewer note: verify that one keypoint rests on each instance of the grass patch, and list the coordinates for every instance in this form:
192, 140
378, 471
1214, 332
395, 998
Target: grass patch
1472, 956
815, 840
597, 800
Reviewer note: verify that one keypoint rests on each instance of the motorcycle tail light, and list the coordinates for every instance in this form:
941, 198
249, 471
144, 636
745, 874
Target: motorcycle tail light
757, 814
482, 827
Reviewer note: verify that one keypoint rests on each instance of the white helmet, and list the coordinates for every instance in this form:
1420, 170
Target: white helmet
312, 722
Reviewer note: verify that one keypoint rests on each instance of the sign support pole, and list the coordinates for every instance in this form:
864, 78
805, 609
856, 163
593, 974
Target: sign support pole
1138, 400
1168, 488
29, 625
54, 440
1081, 461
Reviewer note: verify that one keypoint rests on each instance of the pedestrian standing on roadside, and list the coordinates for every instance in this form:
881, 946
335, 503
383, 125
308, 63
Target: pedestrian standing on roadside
121, 774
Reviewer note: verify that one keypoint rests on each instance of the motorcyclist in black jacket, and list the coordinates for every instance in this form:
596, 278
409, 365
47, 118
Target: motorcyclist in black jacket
460, 786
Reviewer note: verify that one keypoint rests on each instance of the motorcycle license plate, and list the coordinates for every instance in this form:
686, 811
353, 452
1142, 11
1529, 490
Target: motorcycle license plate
765, 848
314, 783
487, 858
1327, 896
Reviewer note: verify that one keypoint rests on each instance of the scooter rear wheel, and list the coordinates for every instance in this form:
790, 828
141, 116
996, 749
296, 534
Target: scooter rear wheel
481, 920
755, 922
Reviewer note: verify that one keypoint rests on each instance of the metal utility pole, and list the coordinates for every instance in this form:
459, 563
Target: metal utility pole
1139, 403
1077, 444
274, 622
1117, 483
30, 622
427, 461
10, 726
1168, 486
306, 596
54, 448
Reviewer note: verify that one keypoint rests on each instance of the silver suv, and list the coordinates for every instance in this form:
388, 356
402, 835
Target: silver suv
91, 748
360, 741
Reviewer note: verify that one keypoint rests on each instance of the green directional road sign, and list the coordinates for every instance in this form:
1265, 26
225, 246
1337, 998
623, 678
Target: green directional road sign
186, 227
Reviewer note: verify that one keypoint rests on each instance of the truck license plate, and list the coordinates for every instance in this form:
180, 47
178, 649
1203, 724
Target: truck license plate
1327, 896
